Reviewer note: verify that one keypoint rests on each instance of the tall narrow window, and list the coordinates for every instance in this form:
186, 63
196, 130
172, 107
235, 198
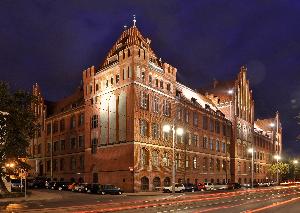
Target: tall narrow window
81, 119
143, 128
72, 122
166, 159
166, 108
205, 122
155, 104
94, 121
155, 158
195, 118
195, 162
94, 145
144, 157
150, 80
155, 131
144, 100
117, 78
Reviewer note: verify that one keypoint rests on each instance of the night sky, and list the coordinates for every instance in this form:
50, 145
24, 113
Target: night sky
51, 42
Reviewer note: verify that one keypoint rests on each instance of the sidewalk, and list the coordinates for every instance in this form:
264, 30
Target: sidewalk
35, 195
157, 193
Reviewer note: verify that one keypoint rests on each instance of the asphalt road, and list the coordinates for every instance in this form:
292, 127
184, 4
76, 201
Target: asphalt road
272, 199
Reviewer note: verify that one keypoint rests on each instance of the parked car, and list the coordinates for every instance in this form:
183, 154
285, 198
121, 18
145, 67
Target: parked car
201, 186
37, 184
234, 186
51, 185
94, 188
80, 187
16, 184
71, 186
61, 185
178, 188
110, 189
220, 187
189, 187
209, 186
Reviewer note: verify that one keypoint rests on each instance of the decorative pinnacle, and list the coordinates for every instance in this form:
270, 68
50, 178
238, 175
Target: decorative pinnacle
134, 20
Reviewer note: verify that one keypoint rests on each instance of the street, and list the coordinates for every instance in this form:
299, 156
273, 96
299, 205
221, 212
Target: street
271, 199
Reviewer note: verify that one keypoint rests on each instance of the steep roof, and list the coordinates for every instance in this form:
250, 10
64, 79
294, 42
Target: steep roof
129, 37
265, 124
73, 101
220, 89
189, 93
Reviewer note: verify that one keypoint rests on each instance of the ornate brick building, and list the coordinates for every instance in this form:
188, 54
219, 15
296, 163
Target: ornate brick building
110, 129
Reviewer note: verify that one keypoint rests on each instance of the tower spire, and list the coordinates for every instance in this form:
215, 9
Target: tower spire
134, 20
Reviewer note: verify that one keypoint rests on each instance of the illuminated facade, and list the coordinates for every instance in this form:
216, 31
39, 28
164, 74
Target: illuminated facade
111, 129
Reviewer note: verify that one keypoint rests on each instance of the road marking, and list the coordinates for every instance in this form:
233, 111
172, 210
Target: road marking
178, 209
171, 210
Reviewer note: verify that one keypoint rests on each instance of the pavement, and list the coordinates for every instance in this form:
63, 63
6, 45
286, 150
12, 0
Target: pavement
34, 195
269, 199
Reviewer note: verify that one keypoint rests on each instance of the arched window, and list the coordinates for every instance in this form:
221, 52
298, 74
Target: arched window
156, 183
144, 157
167, 181
166, 160
144, 184
155, 158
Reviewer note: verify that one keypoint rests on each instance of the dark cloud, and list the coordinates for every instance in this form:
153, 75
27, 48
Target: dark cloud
51, 42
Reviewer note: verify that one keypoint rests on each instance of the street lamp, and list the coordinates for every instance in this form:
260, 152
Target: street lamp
277, 158
251, 150
179, 131
230, 92
295, 162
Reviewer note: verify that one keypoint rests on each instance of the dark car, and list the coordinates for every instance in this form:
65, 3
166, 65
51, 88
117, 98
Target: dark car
111, 189
37, 184
234, 186
61, 185
189, 187
51, 185
94, 188
16, 184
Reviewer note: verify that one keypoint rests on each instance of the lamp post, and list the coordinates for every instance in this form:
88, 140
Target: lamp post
277, 158
251, 150
295, 162
179, 131
230, 92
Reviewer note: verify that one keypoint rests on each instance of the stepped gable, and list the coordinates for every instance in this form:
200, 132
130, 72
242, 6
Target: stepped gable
129, 37
265, 124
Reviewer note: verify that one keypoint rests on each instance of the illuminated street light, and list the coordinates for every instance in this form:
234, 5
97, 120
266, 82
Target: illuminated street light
166, 128
272, 125
295, 162
179, 131
230, 92
251, 150
277, 158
